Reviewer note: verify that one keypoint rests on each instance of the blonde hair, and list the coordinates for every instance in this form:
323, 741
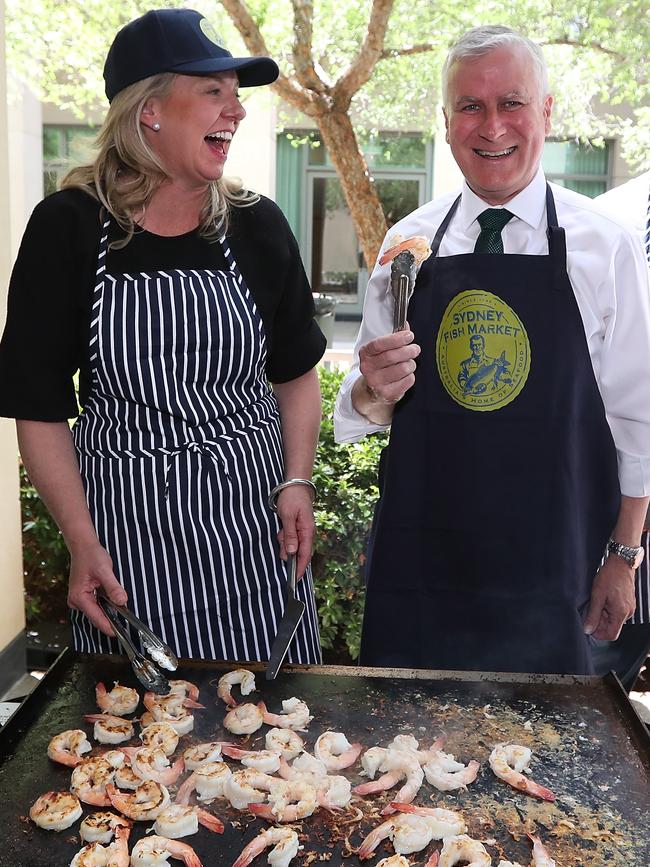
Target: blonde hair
126, 172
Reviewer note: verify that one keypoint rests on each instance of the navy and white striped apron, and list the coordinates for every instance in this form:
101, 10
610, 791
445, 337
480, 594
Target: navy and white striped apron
179, 445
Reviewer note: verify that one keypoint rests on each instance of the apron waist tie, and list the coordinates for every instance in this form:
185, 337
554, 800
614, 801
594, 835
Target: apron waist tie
209, 448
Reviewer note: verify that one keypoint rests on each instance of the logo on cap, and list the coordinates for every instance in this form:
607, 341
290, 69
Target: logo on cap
210, 33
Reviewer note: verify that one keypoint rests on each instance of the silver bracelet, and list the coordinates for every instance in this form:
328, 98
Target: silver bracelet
273, 496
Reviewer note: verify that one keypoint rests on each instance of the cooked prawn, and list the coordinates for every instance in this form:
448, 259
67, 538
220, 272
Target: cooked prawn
244, 719
295, 715
89, 780
55, 811
114, 855
184, 688
247, 787
181, 820
285, 847
209, 781
443, 823
335, 751
333, 793
125, 777
151, 763
409, 833
202, 754
463, 848
371, 760
171, 703
110, 729
245, 679
285, 741
305, 767
160, 734
156, 851
418, 245
68, 747
100, 827
267, 761
143, 804
120, 700
541, 858
508, 761
396, 765
446, 774
289, 801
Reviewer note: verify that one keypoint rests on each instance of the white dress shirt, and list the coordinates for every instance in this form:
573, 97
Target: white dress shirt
608, 272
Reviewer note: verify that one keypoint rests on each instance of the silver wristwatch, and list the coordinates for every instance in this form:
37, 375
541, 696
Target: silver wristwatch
633, 556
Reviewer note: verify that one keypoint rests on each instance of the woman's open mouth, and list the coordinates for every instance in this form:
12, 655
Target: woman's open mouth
218, 141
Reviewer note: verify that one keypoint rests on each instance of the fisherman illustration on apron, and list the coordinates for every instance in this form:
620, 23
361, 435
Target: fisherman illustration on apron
179, 445
499, 487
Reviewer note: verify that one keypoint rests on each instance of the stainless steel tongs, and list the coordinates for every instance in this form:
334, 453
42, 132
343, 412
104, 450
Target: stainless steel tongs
402, 282
144, 669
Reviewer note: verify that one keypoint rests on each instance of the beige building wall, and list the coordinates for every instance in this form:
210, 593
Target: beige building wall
252, 154
12, 617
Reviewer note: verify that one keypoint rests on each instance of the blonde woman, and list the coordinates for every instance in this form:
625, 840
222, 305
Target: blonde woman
179, 298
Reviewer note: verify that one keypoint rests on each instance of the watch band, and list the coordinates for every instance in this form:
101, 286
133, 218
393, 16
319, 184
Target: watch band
632, 554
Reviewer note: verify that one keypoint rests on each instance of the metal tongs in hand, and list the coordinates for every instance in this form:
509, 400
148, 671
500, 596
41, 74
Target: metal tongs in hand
402, 281
146, 671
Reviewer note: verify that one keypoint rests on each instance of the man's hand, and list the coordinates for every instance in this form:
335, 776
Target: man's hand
612, 599
91, 568
388, 365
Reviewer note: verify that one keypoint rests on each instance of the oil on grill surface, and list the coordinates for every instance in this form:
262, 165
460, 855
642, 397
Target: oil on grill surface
582, 751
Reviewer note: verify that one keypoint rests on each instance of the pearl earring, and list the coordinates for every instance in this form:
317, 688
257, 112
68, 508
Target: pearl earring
155, 127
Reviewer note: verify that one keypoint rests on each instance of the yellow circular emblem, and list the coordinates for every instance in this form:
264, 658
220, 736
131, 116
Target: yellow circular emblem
210, 33
482, 351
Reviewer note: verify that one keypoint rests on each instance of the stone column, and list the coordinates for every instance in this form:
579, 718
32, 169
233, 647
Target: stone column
12, 616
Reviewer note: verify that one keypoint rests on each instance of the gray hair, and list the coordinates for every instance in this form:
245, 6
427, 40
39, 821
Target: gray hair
483, 40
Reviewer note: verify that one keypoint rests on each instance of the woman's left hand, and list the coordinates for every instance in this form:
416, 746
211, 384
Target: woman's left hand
296, 536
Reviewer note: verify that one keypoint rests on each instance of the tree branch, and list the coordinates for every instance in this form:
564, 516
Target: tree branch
592, 46
303, 61
305, 100
360, 70
390, 53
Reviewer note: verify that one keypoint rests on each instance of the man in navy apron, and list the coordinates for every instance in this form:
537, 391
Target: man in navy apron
506, 396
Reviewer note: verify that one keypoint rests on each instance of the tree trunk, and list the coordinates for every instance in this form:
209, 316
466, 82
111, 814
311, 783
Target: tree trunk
359, 190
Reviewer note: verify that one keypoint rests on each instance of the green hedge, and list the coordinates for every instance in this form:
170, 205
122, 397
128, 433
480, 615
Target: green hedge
346, 480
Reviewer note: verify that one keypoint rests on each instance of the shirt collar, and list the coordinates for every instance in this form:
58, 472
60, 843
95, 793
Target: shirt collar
529, 205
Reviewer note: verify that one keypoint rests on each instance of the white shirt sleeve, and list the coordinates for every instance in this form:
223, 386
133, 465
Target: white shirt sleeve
611, 282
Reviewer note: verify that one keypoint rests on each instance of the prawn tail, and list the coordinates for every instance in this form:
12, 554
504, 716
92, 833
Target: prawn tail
532, 788
232, 751
263, 810
433, 860
212, 823
391, 252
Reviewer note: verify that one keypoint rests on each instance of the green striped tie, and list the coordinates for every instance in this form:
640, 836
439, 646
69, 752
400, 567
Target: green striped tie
491, 222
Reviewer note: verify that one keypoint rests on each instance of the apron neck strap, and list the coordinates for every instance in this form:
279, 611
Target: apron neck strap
442, 228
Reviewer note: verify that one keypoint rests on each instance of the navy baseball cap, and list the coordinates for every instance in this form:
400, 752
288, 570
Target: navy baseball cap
176, 40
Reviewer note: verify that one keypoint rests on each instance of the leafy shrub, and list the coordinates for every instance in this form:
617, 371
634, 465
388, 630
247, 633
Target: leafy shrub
346, 478
45, 559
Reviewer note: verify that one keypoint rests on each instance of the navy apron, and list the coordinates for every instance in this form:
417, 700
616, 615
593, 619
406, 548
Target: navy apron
499, 486
179, 445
